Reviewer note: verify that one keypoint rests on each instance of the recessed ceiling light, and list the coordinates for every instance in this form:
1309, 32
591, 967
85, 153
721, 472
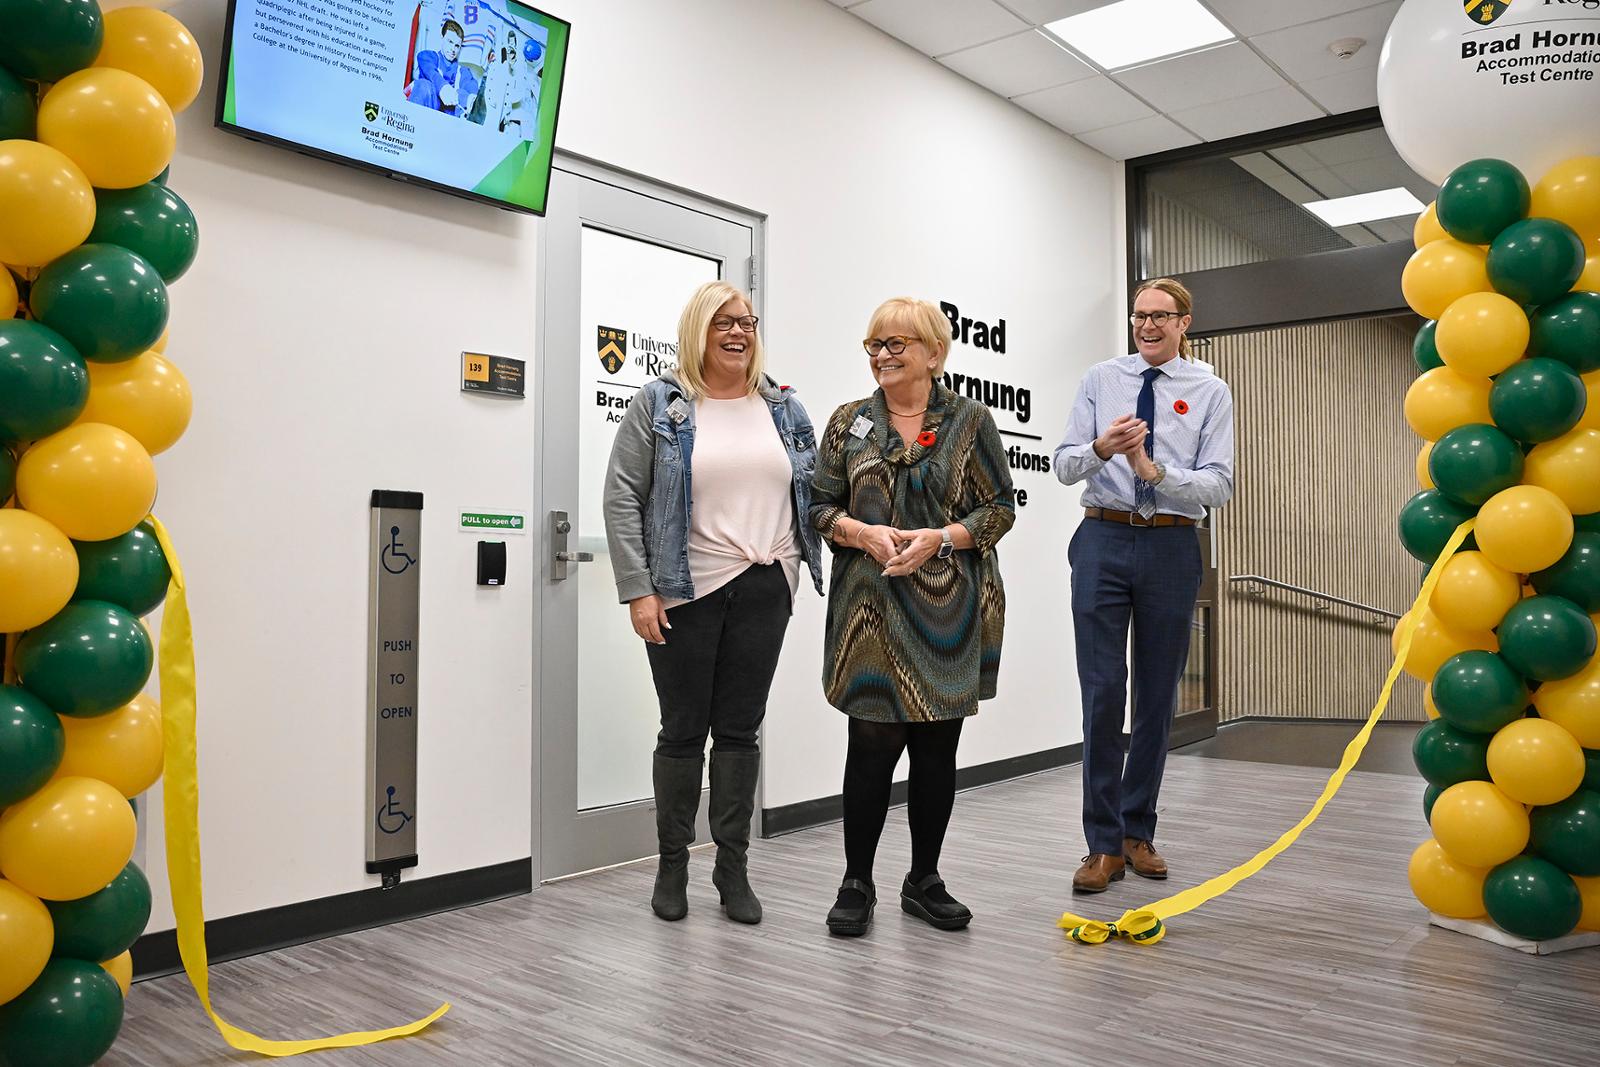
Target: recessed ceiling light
1136, 31
1365, 207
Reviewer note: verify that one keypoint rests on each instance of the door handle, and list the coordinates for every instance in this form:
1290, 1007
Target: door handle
575, 557
560, 528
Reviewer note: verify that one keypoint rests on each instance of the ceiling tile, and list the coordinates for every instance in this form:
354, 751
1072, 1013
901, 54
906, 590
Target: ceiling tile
845, 3
935, 27
1022, 64
1201, 77
1040, 12
1085, 105
1139, 138
1250, 17
1247, 114
1350, 91
1302, 51
1349, 147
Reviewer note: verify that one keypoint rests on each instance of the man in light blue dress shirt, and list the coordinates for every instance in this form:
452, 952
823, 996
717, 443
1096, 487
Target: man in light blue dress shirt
1152, 435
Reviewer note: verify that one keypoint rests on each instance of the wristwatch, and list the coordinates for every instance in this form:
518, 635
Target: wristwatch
1161, 474
947, 547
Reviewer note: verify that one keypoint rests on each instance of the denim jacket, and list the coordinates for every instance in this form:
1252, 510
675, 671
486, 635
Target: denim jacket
649, 492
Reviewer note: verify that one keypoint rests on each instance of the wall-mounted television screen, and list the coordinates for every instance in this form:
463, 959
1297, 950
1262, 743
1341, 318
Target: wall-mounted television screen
458, 95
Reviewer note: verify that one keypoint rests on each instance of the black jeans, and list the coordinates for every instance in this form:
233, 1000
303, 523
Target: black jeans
713, 674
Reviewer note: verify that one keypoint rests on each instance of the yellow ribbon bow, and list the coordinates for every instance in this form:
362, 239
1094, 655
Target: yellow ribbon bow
1141, 926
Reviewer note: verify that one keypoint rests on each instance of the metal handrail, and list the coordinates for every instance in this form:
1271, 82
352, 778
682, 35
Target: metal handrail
1314, 594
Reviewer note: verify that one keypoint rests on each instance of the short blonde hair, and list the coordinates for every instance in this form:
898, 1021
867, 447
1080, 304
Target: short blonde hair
924, 318
695, 323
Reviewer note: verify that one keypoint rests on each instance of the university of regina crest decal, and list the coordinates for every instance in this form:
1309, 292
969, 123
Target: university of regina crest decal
612, 345
1484, 12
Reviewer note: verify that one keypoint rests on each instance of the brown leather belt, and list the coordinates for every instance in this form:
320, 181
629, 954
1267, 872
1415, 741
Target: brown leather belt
1133, 518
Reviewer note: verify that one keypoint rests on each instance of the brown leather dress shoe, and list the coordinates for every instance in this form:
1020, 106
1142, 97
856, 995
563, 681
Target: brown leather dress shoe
1143, 858
1098, 871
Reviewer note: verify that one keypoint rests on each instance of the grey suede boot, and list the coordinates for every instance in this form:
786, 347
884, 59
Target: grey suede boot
677, 784
733, 801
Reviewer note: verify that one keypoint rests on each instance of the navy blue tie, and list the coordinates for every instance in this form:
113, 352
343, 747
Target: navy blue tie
1144, 494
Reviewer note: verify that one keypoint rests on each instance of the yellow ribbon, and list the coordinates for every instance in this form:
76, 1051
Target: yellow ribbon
182, 794
1146, 925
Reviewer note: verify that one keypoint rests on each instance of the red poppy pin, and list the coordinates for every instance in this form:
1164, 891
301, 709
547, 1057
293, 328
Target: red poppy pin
926, 438
1181, 407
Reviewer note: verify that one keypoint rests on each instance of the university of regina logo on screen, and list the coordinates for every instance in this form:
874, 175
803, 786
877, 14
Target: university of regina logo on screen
612, 345
371, 111
1483, 12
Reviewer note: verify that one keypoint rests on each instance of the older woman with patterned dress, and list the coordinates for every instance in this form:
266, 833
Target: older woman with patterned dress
912, 490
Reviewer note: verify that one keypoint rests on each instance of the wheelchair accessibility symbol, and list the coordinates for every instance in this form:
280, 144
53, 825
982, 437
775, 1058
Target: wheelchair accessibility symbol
394, 557
391, 820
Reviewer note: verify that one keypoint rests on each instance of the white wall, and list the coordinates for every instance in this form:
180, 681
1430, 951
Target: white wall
318, 332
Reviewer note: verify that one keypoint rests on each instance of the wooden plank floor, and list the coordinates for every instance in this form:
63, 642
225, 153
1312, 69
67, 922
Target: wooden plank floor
1324, 958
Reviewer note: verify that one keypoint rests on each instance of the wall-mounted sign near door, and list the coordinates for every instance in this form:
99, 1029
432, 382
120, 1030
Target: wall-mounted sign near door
494, 375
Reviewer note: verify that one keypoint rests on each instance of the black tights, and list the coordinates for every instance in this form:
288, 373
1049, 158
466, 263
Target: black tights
875, 749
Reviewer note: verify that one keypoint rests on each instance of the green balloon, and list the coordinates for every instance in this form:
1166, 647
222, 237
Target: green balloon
1472, 463
1480, 198
1479, 692
1427, 520
104, 924
1537, 400
129, 571
68, 1017
1429, 796
1591, 776
1446, 756
1589, 523
31, 744
43, 382
1546, 637
90, 659
107, 301
1568, 329
161, 179
1424, 350
45, 40
16, 108
1575, 575
1532, 898
8, 474
1568, 833
150, 220
1535, 261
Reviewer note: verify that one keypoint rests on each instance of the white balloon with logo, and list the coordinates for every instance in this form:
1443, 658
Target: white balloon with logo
1518, 81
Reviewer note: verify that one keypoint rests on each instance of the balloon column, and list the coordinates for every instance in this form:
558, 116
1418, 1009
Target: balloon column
90, 238
1508, 403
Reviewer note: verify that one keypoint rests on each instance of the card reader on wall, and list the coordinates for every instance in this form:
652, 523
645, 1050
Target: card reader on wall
491, 563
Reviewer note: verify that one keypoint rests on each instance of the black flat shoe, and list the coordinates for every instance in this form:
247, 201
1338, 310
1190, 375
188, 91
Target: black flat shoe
852, 920
940, 910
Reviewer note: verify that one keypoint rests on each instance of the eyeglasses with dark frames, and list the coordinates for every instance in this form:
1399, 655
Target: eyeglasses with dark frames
1157, 318
747, 323
895, 345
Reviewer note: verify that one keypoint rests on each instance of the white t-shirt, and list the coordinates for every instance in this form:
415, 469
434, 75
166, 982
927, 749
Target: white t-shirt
743, 502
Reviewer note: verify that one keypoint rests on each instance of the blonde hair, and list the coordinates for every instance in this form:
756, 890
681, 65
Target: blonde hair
926, 321
695, 323
1180, 296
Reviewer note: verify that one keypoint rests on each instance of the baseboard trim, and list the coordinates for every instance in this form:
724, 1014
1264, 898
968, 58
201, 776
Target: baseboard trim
254, 932
1308, 720
788, 818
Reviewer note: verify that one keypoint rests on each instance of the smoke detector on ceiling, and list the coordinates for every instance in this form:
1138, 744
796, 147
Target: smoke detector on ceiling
1345, 47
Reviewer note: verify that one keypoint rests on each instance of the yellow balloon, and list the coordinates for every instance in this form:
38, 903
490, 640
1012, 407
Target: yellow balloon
46, 204
1574, 704
27, 935
1569, 467
1524, 529
1570, 192
1479, 825
1441, 399
1434, 642
112, 124
1427, 702
1424, 478
1444, 886
1474, 594
156, 47
148, 397
1482, 334
1442, 272
68, 840
1589, 280
122, 749
1589, 890
1427, 229
1534, 761
38, 570
1591, 412
10, 299
121, 968
93, 481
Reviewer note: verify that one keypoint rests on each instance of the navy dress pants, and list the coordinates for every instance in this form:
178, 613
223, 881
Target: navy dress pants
1148, 576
